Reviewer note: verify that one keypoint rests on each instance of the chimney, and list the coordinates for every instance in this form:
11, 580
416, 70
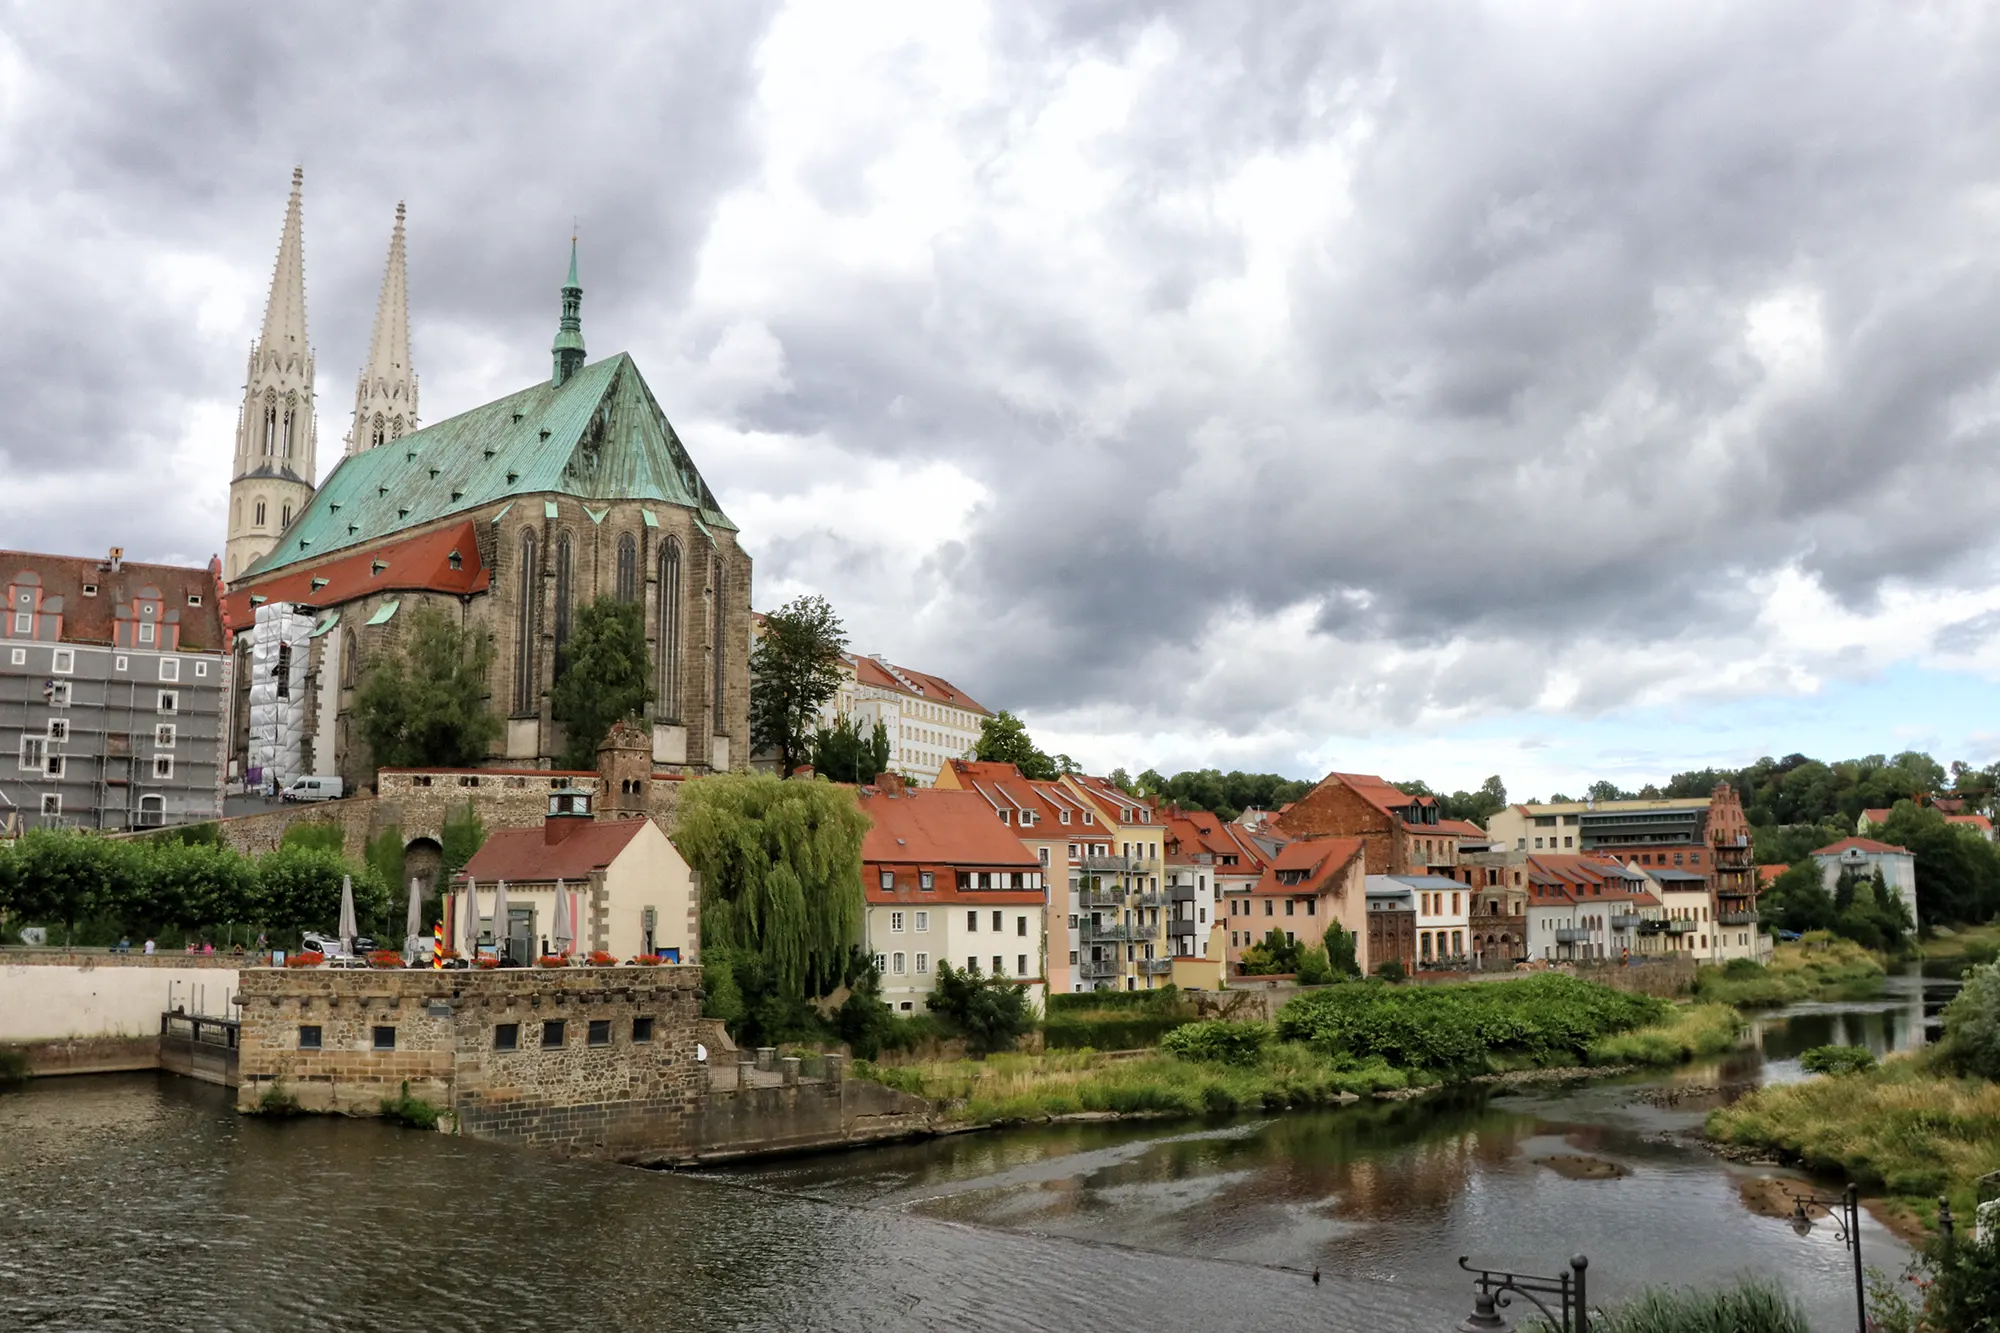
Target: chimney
117, 558
569, 810
891, 784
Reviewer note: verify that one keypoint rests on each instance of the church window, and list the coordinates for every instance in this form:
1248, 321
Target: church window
524, 634
670, 630
236, 512
285, 516
396, 429
562, 601
377, 436
716, 638
260, 514
270, 423
628, 568
291, 414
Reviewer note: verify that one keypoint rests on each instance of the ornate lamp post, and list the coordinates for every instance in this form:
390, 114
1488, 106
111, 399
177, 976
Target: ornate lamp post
1845, 1211
1494, 1290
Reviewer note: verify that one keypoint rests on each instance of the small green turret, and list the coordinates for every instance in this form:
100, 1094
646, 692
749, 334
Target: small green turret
568, 347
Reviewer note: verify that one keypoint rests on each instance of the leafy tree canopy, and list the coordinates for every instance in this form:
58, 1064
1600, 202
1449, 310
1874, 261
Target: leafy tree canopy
1004, 739
842, 753
605, 677
1226, 795
794, 671
424, 703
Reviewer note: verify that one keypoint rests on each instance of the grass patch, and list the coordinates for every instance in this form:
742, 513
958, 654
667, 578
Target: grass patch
412, 1112
1694, 1031
1975, 944
1815, 969
1108, 1029
1837, 1059
277, 1100
1006, 1088
1751, 1306
1900, 1128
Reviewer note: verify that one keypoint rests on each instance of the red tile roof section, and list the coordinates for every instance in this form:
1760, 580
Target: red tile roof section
414, 564
1324, 858
942, 832
525, 856
868, 671
1858, 844
89, 619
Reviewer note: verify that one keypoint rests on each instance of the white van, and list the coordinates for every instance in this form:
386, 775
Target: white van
312, 789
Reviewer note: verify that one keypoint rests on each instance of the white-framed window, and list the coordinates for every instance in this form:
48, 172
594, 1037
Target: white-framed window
926, 880
1072, 920
923, 963
1044, 852
895, 923
201, 668
1063, 815
34, 753
152, 811
65, 661
19, 657
1072, 958
51, 803
55, 766
58, 729
146, 632
90, 590
170, 668
881, 963
923, 921
163, 735
900, 963
888, 879
194, 599
163, 766
170, 701
120, 663
59, 694
24, 622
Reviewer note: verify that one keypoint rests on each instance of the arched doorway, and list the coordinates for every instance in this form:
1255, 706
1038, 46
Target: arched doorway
423, 860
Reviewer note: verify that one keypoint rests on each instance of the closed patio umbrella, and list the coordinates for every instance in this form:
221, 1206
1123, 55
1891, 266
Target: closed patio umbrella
413, 924
468, 932
565, 931
348, 929
500, 938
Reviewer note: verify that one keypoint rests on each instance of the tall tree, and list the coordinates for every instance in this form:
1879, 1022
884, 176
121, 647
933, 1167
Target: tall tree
842, 753
794, 671
1004, 739
424, 702
605, 677
780, 867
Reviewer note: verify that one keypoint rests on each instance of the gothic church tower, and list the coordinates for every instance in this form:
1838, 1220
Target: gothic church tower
385, 400
277, 430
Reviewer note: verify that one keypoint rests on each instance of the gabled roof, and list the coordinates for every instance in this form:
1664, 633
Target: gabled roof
918, 684
1875, 816
1868, 845
525, 856
1112, 802
422, 562
1980, 822
932, 826
1463, 828
90, 619
1323, 860
598, 436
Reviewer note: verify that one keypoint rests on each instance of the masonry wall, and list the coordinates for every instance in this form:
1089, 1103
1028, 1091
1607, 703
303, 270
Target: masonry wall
1332, 809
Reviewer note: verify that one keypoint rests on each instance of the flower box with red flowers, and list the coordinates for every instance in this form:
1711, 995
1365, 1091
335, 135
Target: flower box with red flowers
646, 960
552, 960
599, 958
385, 958
308, 959
489, 962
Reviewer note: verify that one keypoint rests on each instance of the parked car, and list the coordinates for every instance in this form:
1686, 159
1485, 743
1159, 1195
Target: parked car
313, 788
314, 942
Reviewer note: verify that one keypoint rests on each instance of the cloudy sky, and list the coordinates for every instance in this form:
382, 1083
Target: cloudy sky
1561, 390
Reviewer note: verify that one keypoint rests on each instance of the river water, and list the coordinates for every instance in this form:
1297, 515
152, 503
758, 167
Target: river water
145, 1202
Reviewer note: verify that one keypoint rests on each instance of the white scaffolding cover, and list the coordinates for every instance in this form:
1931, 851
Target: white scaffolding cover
278, 644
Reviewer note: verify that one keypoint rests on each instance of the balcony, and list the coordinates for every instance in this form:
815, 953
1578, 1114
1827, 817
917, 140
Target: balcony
1086, 899
1098, 968
1180, 893
1572, 935
1088, 933
1107, 865
1152, 898
1678, 927
1155, 967
1736, 918
1626, 921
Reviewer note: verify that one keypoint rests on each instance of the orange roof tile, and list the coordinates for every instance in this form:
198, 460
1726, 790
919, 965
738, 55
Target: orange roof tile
420, 563
1322, 858
525, 856
919, 684
90, 619
1858, 844
927, 826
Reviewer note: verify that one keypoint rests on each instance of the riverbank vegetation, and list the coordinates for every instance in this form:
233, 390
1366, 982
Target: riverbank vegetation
1690, 1032
1818, 967
1751, 1306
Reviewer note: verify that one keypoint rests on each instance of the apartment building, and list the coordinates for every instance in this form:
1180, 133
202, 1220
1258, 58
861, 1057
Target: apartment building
929, 721
1583, 908
113, 692
1404, 834
1444, 920
1212, 858
944, 880
1309, 885
1123, 908
1047, 821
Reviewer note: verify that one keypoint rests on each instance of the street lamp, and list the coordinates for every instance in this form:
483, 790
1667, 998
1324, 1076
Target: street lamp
1846, 1225
1494, 1289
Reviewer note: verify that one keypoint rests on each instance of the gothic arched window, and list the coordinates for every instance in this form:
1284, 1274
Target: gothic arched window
236, 512
270, 422
628, 568
377, 437
291, 414
669, 594
716, 638
396, 429
524, 631
260, 514
562, 601
284, 516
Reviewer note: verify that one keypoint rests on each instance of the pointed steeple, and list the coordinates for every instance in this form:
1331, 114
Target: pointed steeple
277, 430
385, 399
568, 347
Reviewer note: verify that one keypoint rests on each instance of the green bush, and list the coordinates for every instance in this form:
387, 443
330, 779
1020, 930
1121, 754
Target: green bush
1749, 1307
1837, 1059
1217, 1041
1391, 969
1457, 1028
277, 1100
1742, 969
1108, 1031
322, 835
1971, 1042
1977, 953
990, 1013
412, 1112
1165, 1000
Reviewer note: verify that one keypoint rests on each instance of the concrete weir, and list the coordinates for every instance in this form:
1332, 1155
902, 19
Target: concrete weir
607, 1062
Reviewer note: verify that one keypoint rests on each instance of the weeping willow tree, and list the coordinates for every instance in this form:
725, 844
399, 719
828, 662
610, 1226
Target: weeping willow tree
780, 867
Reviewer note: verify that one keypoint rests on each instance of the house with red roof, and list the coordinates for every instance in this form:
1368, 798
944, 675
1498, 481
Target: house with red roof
1404, 834
1864, 858
946, 881
929, 721
619, 884
1310, 884
1206, 859
1589, 908
1124, 892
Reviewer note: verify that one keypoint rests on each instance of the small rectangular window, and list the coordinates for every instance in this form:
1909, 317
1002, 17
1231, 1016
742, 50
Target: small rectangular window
19, 657
51, 803
1020, 965
163, 735
163, 766
385, 1037
170, 701
65, 660
642, 1030
552, 1033
146, 632
194, 599
925, 881
90, 590
170, 668
997, 918
506, 1036
923, 963
972, 921
58, 729
599, 1033
34, 753
59, 694
923, 921
888, 879
24, 622
896, 923
309, 1037
120, 663
999, 966
1020, 925
201, 668
898, 964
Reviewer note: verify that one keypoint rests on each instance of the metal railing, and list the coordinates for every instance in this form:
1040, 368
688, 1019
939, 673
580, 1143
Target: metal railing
1626, 920
1736, 918
1089, 898
1107, 865
1097, 967
1680, 926
1087, 931
1157, 967
1572, 935
1152, 898
1180, 893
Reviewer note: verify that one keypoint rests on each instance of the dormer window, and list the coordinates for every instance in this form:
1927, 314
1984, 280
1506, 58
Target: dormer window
194, 599
377, 566
90, 590
457, 561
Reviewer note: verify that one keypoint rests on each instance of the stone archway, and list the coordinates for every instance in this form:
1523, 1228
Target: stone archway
423, 861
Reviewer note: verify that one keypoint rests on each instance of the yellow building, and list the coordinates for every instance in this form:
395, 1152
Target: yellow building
1121, 908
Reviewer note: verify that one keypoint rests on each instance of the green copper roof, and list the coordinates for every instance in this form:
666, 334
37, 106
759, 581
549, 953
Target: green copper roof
598, 436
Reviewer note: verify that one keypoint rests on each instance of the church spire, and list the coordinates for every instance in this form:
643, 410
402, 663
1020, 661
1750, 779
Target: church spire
385, 400
568, 347
277, 432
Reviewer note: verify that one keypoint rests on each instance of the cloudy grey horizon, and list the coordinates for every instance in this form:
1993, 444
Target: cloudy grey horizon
1559, 391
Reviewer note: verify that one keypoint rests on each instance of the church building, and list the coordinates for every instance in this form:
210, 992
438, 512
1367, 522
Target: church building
510, 517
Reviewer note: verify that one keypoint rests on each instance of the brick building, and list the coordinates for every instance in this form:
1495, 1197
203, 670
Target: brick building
1403, 834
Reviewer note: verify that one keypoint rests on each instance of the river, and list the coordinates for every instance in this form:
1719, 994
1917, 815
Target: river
145, 1202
